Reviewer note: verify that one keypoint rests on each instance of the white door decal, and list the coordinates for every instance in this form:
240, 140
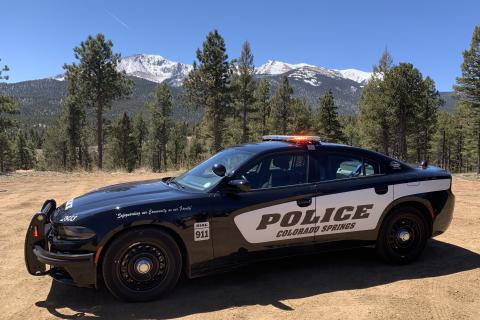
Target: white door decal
330, 214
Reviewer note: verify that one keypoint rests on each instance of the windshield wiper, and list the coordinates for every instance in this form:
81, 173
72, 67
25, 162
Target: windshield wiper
172, 180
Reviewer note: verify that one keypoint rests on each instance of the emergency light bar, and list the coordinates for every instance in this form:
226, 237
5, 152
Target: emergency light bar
296, 139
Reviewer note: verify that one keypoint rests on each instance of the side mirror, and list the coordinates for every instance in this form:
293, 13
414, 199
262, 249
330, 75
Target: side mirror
424, 164
240, 185
219, 169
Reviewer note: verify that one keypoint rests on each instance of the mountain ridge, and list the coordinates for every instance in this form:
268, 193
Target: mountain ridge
157, 68
40, 100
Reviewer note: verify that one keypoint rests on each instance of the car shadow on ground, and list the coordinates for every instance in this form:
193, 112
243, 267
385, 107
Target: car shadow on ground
264, 284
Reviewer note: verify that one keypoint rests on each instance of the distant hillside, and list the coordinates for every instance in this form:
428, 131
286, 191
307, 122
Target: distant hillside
311, 85
40, 100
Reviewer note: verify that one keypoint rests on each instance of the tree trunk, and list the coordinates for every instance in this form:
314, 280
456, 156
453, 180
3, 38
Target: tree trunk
100, 136
402, 136
216, 133
478, 148
139, 155
64, 157
159, 159
264, 124
443, 150
80, 155
164, 152
244, 126
385, 138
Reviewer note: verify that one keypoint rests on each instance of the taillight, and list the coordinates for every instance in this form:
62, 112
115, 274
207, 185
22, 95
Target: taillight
35, 232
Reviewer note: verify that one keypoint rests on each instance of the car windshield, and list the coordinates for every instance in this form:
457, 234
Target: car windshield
202, 177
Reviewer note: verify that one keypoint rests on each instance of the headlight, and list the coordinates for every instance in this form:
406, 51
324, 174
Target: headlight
74, 233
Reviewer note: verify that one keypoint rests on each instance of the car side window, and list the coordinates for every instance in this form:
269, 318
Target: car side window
371, 167
338, 166
346, 167
277, 170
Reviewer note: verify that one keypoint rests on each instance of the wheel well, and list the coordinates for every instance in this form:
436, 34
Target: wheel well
170, 232
426, 214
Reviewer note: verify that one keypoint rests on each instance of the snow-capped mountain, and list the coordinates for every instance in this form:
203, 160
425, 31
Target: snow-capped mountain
42, 98
158, 69
155, 68
274, 67
356, 75
307, 71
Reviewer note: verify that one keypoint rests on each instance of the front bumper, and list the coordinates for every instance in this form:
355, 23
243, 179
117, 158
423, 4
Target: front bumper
72, 268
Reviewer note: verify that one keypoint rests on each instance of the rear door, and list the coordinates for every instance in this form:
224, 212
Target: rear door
352, 193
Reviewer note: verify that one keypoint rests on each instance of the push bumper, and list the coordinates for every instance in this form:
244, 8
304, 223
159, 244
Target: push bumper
61, 259
71, 268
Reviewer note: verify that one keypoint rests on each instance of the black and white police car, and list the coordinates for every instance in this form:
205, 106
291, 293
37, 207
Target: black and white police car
285, 195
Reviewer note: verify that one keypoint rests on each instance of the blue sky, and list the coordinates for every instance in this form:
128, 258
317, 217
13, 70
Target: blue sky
37, 37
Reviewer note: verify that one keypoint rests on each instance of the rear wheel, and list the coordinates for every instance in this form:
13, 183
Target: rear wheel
141, 265
403, 236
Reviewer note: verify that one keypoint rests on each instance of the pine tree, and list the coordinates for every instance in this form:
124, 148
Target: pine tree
426, 119
404, 89
375, 116
196, 149
122, 147
140, 133
327, 123
55, 150
178, 145
444, 139
36, 135
160, 122
281, 111
75, 122
207, 86
463, 138
301, 120
349, 124
384, 65
244, 85
24, 151
468, 85
8, 107
3, 71
97, 81
263, 106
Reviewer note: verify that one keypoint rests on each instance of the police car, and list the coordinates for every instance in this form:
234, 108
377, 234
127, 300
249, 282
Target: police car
284, 196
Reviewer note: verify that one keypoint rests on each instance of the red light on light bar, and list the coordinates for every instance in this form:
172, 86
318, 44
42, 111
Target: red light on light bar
300, 138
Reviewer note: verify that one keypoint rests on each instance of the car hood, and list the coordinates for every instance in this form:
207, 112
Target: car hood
117, 196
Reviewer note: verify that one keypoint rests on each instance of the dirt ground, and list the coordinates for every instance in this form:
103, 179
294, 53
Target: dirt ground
443, 284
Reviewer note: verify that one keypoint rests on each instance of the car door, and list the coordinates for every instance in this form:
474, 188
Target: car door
272, 214
352, 193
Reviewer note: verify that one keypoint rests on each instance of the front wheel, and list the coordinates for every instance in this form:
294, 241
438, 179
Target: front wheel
141, 265
403, 236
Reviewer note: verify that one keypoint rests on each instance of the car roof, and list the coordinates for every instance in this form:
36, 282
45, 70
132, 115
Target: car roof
272, 146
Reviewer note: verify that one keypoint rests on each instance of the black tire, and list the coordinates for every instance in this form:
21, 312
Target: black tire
403, 236
142, 265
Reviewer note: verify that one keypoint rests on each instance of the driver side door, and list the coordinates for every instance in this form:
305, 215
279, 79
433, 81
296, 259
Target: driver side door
278, 211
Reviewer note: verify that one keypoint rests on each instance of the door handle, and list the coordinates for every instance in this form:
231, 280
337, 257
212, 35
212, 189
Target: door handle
381, 189
304, 202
